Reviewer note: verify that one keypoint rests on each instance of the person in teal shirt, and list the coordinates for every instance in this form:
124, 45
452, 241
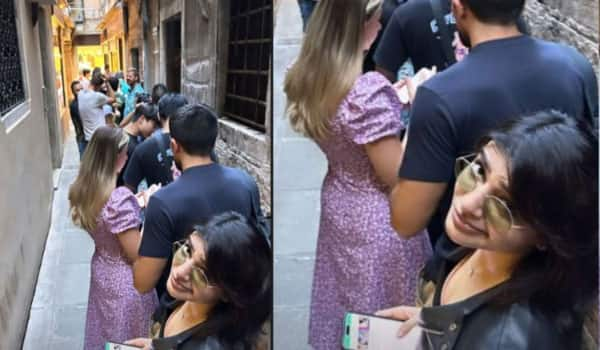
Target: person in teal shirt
133, 81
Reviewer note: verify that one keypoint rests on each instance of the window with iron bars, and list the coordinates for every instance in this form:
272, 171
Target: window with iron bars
12, 89
250, 37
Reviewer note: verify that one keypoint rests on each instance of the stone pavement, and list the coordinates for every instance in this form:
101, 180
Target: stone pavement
299, 168
57, 316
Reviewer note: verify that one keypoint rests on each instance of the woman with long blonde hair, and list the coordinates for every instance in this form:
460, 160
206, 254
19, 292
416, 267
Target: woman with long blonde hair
111, 215
361, 263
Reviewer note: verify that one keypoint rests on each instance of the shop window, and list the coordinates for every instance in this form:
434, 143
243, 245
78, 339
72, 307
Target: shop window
250, 38
12, 88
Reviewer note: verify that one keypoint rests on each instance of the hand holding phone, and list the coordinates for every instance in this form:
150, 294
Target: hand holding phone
407, 89
370, 332
118, 346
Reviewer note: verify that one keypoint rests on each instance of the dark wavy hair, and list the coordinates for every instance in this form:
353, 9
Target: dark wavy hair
238, 260
553, 186
158, 91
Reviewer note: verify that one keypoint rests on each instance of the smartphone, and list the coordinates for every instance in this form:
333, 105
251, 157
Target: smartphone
369, 332
117, 346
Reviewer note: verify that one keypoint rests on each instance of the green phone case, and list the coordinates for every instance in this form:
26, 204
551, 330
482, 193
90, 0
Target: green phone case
347, 323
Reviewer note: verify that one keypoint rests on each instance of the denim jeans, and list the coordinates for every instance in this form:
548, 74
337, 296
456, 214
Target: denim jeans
306, 8
81, 145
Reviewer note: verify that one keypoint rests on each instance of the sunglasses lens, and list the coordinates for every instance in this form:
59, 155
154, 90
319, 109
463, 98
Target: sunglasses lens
465, 177
179, 256
198, 279
497, 215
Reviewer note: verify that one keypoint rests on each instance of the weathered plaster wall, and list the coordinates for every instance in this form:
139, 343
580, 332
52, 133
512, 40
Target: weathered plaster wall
26, 192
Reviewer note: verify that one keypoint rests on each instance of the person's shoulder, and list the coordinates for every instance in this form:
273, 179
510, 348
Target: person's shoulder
522, 320
367, 84
412, 9
119, 195
147, 145
235, 173
560, 53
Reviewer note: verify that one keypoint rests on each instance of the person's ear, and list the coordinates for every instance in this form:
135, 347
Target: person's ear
458, 9
174, 146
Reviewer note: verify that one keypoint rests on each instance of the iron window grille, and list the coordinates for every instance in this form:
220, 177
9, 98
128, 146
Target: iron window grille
12, 89
250, 37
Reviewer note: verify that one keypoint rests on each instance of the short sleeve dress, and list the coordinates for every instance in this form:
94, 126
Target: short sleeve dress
361, 263
116, 311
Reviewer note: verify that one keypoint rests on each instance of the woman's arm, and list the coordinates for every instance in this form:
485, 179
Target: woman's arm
130, 243
127, 119
385, 156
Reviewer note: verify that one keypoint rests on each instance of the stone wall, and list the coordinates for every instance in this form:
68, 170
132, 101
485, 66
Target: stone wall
203, 80
567, 21
26, 186
134, 34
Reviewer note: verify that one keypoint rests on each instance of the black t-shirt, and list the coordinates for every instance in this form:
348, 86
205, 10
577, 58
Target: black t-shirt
76, 119
498, 80
133, 142
146, 162
412, 32
198, 194
387, 10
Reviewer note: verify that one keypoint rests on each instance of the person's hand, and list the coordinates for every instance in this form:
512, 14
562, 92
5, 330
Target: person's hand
152, 189
144, 343
409, 314
405, 89
144, 196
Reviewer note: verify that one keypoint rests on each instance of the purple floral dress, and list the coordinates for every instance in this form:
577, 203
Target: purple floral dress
116, 311
361, 263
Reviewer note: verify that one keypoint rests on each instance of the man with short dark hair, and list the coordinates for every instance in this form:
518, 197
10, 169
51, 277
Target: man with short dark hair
91, 103
505, 75
204, 189
152, 159
76, 118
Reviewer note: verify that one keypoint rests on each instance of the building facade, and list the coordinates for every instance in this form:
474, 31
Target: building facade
218, 53
30, 141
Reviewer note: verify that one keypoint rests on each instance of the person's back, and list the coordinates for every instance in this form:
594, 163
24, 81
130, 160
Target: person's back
198, 194
91, 104
153, 158
499, 80
203, 189
412, 34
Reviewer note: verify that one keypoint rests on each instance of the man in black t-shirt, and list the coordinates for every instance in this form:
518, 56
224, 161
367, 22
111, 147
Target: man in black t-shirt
203, 190
76, 119
413, 33
143, 124
152, 159
505, 75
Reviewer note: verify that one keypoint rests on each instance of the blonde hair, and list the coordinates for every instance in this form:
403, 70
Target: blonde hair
97, 176
329, 63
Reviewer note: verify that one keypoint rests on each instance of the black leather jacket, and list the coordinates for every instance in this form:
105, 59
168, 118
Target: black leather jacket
185, 340
476, 323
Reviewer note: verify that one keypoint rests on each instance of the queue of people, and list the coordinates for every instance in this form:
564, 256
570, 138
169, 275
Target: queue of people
475, 219
179, 252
